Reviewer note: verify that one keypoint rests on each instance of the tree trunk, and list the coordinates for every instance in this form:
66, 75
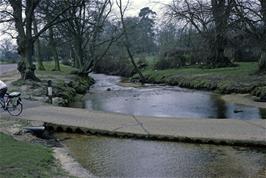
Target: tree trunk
79, 52
220, 15
262, 61
37, 48
54, 49
25, 66
217, 57
73, 58
40, 65
142, 78
127, 44
24, 39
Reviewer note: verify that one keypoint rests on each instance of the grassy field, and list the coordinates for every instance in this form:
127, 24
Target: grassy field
20, 159
244, 69
49, 66
240, 79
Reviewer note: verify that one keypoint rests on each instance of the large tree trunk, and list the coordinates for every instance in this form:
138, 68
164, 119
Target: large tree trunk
25, 66
221, 16
262, 60
54, 49
24, 39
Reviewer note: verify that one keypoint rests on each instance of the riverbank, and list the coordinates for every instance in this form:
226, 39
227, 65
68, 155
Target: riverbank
25, 154
241, 79
67, 88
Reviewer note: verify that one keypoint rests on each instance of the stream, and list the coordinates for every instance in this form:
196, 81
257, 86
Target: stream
115, 157
163, 101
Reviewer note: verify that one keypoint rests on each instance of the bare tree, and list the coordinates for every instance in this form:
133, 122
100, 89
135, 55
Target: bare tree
221, 10
37, 44
262, 61
252, 20
53, 48
210, 19
85, 31
122, 11
21, 13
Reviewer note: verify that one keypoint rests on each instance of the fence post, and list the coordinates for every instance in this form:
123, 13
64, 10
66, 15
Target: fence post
50, 92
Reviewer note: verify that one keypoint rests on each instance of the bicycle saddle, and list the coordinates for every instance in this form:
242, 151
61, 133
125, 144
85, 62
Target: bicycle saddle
14, 94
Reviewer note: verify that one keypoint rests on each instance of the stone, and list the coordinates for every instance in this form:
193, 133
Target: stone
57, 101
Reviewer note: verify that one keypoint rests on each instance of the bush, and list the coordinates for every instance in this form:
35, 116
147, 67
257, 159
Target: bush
66, 62
115, 66
142, 63
169, 62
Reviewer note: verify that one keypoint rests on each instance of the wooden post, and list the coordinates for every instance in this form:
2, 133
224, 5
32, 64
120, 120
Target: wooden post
50, 92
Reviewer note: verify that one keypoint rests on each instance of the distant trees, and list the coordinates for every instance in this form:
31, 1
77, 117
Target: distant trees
251, 19
126, 40
21, 13
167, 38
85, 31
8, 51
216, 20
211, 20
147, 34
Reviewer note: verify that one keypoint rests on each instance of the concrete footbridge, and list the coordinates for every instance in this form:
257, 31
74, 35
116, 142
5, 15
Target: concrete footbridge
213, 131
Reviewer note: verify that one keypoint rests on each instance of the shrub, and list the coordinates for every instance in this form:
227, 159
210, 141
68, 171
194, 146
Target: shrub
115, 66
169, 62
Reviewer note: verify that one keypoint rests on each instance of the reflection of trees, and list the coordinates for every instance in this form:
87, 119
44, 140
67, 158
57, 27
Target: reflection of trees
219, 106
262, 113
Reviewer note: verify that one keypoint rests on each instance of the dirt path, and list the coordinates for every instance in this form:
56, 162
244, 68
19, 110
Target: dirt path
5, 68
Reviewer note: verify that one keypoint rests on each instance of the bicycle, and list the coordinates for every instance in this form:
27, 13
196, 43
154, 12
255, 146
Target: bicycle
12, 103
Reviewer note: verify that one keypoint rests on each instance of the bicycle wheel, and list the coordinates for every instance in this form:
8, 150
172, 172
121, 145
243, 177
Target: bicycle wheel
14, 107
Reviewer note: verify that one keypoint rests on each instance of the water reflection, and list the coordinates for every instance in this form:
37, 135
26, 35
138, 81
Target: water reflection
219, 106
164, 101
111, 157
263, 113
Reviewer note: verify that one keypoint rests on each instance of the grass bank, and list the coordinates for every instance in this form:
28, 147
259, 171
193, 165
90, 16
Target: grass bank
67, 86
21, 159
241, 79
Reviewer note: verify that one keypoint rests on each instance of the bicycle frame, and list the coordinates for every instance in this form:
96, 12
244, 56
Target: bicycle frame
5, 100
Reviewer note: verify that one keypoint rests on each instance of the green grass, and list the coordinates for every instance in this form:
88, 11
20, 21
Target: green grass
7, 62
20, 159
49, 66
244, 69
240, 79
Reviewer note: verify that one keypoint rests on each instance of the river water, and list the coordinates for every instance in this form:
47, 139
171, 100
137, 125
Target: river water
114, 157
163, 101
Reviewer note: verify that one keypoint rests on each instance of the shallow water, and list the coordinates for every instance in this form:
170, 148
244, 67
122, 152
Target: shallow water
113, 157
163, 101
